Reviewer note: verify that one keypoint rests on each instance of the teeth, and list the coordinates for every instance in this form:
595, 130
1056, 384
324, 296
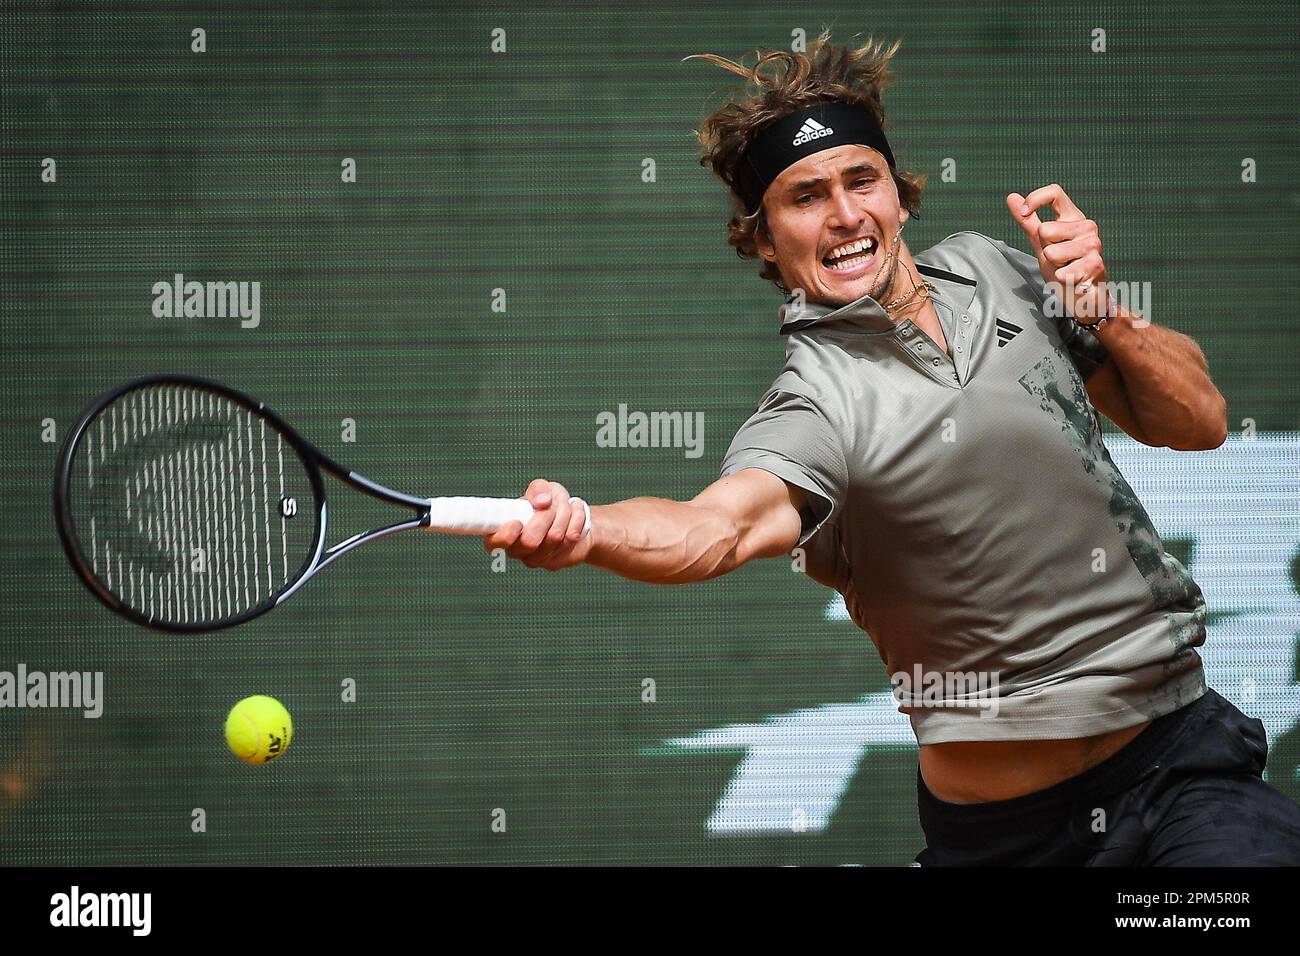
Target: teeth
851, 248
837, 259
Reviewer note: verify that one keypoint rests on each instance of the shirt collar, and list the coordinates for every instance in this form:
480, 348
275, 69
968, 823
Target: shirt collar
867, 315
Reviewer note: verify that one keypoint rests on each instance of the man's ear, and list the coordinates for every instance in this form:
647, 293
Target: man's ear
763, 240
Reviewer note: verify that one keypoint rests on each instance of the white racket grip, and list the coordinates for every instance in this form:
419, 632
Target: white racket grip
484, 515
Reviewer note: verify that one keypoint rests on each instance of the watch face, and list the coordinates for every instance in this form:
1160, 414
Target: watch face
1112, 311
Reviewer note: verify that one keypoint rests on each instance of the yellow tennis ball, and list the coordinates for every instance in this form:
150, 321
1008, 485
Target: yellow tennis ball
258, 729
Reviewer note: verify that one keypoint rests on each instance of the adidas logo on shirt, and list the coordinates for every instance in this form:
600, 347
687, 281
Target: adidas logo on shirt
809, 131
1006, 332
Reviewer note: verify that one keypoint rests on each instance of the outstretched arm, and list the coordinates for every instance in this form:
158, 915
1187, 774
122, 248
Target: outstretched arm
751, 514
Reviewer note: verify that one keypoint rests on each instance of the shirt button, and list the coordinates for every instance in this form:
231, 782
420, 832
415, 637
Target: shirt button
906, 333
920, 347
965, 318
935, 361
959, 348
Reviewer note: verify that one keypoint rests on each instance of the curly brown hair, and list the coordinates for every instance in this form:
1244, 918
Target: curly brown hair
857, 76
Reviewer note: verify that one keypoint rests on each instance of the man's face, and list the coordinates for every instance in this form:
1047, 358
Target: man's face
820, 206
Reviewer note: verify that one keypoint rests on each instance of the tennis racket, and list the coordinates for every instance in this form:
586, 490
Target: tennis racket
184, 505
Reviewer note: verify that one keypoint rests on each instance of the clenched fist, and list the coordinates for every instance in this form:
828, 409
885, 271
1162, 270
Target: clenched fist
1068, 249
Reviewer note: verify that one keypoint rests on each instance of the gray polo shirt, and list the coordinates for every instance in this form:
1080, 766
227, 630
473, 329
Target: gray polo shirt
965, 506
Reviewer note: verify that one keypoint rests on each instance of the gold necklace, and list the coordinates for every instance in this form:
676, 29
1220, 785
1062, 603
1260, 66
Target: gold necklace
925, 287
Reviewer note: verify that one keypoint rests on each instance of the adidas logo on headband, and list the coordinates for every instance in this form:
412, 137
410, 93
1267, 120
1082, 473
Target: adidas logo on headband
809, 131
813, 127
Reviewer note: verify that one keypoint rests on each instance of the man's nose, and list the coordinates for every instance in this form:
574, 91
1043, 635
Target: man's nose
844, 212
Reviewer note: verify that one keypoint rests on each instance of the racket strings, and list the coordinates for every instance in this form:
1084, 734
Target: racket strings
189, 504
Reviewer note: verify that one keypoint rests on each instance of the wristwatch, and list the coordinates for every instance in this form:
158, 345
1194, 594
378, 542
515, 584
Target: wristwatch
1112, 312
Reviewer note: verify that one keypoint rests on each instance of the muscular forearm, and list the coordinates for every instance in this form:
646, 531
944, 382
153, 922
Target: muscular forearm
1167, 383
661, 541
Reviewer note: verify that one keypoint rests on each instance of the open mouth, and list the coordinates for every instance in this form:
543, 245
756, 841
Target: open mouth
852, 257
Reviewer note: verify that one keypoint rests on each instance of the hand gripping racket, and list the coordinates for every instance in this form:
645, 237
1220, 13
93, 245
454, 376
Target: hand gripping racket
186, 506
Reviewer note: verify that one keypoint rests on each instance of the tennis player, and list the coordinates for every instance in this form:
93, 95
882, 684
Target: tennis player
932, 444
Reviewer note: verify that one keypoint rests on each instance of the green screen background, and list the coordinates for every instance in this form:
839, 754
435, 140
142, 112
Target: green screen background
522, 171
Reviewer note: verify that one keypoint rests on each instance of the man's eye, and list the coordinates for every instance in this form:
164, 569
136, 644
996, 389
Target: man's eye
863, 181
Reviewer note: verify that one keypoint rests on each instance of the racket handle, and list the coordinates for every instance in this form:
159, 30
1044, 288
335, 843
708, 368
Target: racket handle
484, 515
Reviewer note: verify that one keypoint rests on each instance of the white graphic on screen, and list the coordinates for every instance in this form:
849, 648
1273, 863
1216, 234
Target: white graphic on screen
1240, 507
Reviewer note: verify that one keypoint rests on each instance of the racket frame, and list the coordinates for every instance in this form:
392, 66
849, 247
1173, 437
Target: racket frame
314, 461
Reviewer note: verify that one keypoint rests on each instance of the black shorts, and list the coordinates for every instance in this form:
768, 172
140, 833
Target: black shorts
1187, 791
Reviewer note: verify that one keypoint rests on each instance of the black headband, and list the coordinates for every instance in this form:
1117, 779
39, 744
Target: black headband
807, 130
